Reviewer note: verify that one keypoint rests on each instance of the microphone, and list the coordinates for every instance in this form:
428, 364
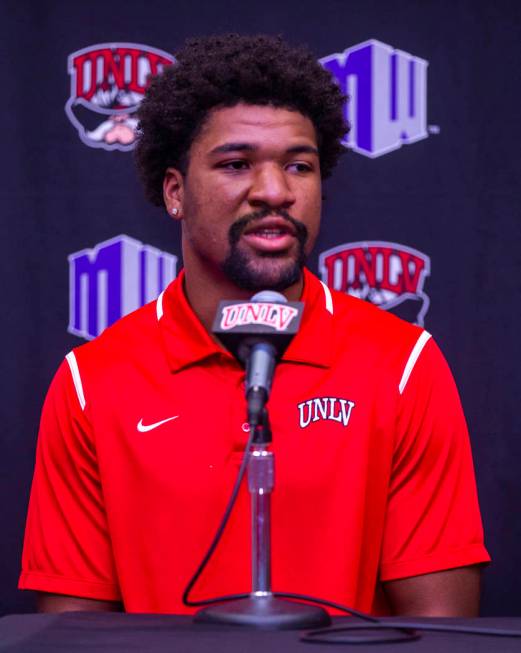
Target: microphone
258, 332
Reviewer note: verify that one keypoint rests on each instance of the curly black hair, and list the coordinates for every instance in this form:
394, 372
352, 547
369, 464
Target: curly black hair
221, 71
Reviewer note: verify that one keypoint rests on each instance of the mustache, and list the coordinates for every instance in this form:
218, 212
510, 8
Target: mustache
238, 227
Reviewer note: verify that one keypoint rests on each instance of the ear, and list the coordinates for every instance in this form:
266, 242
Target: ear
173, 192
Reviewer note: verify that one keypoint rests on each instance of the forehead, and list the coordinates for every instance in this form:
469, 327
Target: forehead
255, 124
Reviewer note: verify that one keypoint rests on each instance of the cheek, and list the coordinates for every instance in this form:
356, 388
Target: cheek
313, 221
211, 201
205, 226
208, 234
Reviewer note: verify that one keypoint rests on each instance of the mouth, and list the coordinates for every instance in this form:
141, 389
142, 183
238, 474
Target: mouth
270, 235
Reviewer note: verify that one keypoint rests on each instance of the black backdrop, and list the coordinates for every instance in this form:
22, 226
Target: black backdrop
453, 196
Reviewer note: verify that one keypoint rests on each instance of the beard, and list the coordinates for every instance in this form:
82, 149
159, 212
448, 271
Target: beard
265, 271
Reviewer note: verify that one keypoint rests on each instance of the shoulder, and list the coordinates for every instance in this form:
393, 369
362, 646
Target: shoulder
134, 336
356, 315
376, 331
360, 338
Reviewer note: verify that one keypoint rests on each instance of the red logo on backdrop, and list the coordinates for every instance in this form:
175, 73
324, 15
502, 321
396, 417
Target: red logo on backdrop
389, 275
108, 81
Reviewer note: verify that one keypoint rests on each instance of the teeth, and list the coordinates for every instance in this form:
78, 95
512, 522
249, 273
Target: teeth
269, 233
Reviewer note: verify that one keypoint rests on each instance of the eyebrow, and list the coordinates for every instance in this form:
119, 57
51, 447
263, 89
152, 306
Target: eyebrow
248, 147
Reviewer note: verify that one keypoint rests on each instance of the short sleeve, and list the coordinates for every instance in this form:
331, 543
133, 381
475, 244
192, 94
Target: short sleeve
433, 520
67, 548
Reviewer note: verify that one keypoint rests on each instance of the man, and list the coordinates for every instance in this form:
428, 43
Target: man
143, 429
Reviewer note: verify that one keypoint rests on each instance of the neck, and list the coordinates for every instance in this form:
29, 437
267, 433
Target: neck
204, 292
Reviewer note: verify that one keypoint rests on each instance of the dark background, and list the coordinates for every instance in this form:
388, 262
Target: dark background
454, 196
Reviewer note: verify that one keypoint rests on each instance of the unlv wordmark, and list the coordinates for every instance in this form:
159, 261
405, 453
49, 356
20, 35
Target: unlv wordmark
326, 408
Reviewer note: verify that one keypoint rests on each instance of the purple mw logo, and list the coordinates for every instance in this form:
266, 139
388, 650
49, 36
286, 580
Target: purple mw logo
387, 92
112, 279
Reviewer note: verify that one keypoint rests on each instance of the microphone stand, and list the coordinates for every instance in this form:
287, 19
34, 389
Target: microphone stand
262, 609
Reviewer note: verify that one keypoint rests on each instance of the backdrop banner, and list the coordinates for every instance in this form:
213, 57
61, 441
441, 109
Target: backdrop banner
420, 218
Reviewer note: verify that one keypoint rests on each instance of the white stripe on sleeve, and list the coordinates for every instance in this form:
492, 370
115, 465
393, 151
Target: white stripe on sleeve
159, 306
329, 298
73, 364
411, 362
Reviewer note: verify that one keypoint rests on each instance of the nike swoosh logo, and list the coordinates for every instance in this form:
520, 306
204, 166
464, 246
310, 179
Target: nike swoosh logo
144, 428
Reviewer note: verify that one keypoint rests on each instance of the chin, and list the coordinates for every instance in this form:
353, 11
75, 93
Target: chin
258, 275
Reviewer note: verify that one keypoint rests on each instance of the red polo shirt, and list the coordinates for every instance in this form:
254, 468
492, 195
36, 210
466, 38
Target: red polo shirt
142, 436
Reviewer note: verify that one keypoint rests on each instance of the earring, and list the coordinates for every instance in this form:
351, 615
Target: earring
175, 211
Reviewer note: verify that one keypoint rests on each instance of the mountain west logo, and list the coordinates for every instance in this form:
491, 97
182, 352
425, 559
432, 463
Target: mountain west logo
108, 81
389, 275
112, 279
277, 316
387, 92
325, 408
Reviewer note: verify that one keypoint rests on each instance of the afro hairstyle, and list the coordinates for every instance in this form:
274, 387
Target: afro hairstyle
222, 71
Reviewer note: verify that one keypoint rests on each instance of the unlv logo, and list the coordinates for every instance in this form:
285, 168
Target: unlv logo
109, 80
389, 275
325, 408
277, 316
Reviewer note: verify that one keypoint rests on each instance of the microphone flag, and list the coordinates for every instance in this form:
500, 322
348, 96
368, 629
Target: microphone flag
267, 316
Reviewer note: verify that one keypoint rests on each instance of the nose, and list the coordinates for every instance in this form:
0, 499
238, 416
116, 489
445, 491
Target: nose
271, 187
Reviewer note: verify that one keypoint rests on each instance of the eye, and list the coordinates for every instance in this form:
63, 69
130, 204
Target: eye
300, 167
234, 165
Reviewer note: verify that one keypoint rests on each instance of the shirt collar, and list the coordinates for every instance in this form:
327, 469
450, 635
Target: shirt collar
313, 345
186, 342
